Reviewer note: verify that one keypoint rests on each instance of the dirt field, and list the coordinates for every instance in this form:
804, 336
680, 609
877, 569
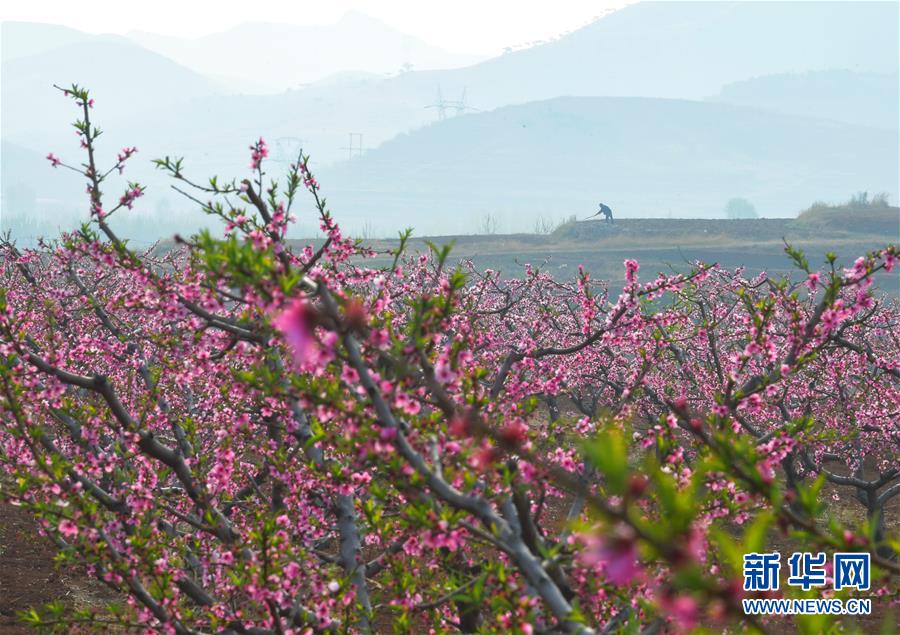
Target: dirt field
29, 577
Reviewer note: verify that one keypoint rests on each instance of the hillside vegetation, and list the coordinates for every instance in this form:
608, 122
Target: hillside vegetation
851, 218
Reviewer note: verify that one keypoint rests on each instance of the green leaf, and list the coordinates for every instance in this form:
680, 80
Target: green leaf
608, 452
755, 535
729, 551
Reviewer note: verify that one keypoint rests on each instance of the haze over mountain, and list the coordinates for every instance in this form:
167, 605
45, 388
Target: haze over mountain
682, 50
654, 49
658, 49
269, 57
642, 156
127, 79
689, 50
826, 60
867, 99
21, 39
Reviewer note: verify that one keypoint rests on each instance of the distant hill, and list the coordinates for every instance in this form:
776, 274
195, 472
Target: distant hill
867, 99
442, 177
127, 80
269, 57
690, 50
18, 164
684, 50
644, 157
22, 39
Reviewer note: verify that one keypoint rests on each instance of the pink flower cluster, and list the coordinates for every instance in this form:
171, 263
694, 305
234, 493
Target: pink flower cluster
258, 152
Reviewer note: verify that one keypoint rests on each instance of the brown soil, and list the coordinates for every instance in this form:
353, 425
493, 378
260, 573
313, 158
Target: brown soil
29, 576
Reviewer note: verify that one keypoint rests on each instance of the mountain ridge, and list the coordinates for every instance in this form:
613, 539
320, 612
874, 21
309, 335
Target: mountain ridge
272, 57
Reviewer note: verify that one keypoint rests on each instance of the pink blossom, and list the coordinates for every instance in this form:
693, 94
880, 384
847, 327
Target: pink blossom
443, 372
618, 555
296, 325
621, 562
631, 270
258, 151
812, 280
683, 610
292, 571
68, 528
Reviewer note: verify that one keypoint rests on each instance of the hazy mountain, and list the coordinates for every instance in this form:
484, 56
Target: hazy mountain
128, 82
21, 39
36, 199
125, 79
644, 157
272, 57
868, 99
669, 49
20, 164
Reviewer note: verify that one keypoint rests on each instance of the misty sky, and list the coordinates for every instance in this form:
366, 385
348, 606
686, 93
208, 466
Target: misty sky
459, 26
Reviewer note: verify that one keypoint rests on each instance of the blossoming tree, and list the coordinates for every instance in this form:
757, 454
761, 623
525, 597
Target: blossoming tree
242, 434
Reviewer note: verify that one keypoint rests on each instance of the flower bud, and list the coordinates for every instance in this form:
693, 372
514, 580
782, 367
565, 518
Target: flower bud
637, 485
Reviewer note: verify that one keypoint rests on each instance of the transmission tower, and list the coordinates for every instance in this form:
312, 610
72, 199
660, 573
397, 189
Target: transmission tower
440, 104
458, 106
287, 149
355, 145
